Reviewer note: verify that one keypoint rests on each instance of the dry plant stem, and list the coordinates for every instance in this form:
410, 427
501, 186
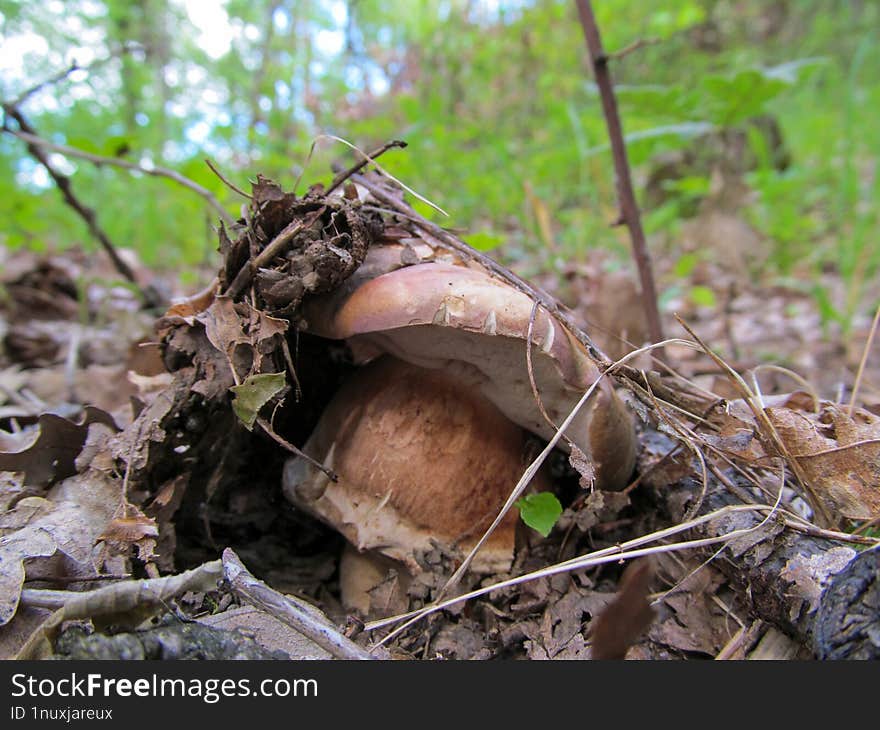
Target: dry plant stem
226, 182
690, 442
32, 140
629, 209
854, 401
803, 382
124, 596
367, 159
285, 609
617, 553
276, 247
770, 432
867, 526
532, 469
35, 147
267, 428
732, 646
531, 371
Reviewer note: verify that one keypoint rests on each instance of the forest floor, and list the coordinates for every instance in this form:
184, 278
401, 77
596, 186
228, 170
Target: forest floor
74, 337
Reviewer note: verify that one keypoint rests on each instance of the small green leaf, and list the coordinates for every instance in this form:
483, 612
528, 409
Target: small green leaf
685, 265
255, 392
703, 296
540, 511
483, 241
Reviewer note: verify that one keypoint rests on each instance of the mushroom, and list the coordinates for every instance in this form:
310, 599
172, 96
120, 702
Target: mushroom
422, 460
473, 326
428, 437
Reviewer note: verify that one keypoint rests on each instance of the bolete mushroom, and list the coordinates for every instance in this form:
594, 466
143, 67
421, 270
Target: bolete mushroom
428, 438
473, 326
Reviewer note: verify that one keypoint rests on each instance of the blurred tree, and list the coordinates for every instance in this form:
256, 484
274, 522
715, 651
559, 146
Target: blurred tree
495, 99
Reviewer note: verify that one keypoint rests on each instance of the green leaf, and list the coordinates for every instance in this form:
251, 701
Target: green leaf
703, 296
732, 99
255, 392
540, 511
685, 265
484, 241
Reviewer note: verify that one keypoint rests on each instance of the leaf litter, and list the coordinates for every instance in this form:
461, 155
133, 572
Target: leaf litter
156, 497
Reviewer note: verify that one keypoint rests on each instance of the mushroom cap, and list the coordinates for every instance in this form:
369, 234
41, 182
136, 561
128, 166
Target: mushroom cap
474, 327
420, 458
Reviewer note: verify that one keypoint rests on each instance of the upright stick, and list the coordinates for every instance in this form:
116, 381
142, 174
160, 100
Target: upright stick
629, 211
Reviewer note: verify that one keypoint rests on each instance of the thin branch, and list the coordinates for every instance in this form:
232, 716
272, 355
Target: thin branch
35, 148
34, 141
854, 400
633, 47
629, 211
287, 610
62, 75
270, 432
226, 182
51, 81
367, 158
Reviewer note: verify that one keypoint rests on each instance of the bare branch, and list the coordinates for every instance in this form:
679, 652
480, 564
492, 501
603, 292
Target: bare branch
60, 76
629, 211
287, 610
34, 141
65, 186
346, 174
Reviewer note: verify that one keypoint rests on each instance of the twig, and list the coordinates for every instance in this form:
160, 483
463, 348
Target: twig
128, 595
60, 76
226, 182
853, 402
387, 174
270, 432
367, 159
35, 145
629, 211
285, 609
126, 48
34, 141
633, 47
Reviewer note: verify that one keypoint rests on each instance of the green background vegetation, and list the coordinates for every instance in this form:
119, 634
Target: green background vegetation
498, 106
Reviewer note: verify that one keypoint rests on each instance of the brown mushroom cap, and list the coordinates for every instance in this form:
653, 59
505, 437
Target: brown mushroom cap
420, 458
473, 326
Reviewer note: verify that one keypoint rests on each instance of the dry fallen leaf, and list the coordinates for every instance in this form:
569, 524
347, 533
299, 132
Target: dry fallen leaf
67, 526
839, 455
51, 454
628, 616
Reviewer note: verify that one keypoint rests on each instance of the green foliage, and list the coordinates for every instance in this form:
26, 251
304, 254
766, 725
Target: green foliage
540, 511
702, 296
490, 96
